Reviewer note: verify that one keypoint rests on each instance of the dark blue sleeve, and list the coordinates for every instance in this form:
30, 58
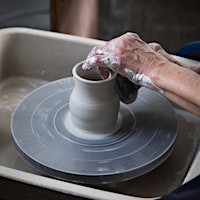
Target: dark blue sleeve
190, 50
188, 191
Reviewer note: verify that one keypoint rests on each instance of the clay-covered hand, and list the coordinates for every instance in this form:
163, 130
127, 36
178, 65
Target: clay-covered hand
127, 51
129, 56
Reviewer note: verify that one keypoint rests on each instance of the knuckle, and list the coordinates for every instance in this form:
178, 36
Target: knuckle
132, 35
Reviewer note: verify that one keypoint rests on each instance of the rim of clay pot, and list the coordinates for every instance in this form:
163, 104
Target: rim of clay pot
77, 70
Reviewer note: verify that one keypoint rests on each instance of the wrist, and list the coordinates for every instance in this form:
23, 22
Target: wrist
160, 71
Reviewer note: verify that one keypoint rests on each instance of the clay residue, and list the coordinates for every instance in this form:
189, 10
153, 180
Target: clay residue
12, 91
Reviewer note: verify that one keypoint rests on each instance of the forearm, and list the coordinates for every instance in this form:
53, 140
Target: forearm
179, 81
185, 62
182, 103
142, 64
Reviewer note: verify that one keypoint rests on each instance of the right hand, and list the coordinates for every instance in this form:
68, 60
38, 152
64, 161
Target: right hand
127, 51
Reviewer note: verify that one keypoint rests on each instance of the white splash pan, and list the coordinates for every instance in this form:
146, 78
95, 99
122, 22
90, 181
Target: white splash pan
30, 58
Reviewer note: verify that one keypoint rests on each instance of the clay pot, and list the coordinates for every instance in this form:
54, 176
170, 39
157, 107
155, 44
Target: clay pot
94, 104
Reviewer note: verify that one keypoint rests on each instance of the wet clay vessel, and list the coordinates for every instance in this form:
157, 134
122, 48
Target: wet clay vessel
94, 104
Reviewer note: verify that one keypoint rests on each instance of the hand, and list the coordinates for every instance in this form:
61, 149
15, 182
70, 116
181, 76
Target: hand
149, 65
174, 59
128, 51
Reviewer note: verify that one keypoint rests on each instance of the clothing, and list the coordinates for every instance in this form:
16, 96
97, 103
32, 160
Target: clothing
190, 50
191, 189
188, 191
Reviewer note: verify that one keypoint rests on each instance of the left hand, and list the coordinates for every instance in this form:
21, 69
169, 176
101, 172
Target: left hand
187, 63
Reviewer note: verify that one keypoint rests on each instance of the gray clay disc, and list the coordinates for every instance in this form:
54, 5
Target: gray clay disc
41, 136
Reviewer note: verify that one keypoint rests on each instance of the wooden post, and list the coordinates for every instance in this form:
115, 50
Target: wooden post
76, 17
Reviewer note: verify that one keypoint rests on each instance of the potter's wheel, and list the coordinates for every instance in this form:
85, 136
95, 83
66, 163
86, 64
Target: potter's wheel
42, 138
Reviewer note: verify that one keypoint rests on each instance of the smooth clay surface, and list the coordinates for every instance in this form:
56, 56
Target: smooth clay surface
94, 104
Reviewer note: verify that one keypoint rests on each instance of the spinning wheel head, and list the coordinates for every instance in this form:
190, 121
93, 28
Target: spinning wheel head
42, 137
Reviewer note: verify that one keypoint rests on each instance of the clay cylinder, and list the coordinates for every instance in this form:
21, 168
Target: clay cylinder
94, 103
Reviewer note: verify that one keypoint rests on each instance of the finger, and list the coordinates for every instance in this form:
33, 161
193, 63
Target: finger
91, 61
104, 72
98, 50
127, 90
105, 61
158, 48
